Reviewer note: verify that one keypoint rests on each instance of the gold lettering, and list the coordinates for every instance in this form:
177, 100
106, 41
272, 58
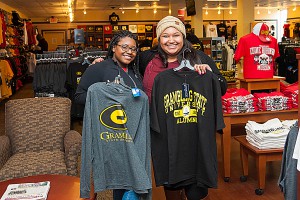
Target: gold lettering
186, 120
111, 137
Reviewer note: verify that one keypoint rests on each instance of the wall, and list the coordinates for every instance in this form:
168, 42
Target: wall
10, 9
102, 16
294, 14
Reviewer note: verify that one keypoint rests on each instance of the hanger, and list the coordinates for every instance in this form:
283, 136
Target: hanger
119, 80
184, 63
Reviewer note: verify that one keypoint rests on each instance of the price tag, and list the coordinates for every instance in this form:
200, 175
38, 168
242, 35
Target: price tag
136, 92
185, 90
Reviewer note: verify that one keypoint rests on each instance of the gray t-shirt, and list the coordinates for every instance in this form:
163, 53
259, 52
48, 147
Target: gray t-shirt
115, 141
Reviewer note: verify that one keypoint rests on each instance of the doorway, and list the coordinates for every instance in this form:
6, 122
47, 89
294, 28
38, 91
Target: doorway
54, 38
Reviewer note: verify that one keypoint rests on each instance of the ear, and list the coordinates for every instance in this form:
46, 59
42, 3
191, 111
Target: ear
113, 49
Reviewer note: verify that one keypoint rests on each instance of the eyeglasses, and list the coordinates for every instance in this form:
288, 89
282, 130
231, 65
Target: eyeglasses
126, 48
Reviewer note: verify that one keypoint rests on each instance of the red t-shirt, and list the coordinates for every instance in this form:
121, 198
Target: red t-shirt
258, 56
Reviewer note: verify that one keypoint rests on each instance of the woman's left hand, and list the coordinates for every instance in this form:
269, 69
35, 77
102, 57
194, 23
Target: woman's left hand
201, 68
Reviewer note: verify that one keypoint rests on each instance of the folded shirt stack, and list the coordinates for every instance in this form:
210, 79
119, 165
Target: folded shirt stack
271, 134
238, 101
291, 91
272, 101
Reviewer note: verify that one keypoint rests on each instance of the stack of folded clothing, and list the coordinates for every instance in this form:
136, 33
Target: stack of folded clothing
229, 75
291, 91
271, 134
238, 101
273, 101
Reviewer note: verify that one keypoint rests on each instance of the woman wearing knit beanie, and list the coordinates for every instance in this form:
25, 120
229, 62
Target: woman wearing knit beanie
172, 42
172, 48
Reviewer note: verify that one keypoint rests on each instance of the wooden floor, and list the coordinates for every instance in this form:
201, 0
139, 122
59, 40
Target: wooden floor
232, 190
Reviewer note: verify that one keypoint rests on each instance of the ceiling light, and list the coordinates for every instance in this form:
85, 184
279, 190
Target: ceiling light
269, 11
230, 12
154, 11
294, 9
258, 12
84, 11
219, 12
206, 12
137, 10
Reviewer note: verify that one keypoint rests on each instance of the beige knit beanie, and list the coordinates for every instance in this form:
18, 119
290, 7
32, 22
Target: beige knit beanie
170, 21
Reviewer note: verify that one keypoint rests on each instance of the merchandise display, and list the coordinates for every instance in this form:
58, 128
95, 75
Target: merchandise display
259, 50
99, 36
16, 38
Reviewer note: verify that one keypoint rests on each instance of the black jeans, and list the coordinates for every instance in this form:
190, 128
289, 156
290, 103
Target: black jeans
192, 192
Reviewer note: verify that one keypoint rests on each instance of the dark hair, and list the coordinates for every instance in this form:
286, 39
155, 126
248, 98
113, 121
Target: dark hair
115, 40
189, 52
39, 37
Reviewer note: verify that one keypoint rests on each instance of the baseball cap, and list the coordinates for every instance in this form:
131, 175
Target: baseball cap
262, 31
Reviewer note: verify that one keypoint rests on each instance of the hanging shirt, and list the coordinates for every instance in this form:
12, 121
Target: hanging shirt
259, 57
115, 140
211, 30
222, 30
292, 27
6, 77
183, 137
286, 30
74, 74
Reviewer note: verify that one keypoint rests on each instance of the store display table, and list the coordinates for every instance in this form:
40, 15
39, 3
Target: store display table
261, 84
61, 186
262, 156
242, 118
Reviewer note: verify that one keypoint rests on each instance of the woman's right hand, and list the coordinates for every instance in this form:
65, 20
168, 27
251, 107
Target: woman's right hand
97, 60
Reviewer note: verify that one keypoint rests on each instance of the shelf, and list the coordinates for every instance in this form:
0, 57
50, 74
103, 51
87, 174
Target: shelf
101, 35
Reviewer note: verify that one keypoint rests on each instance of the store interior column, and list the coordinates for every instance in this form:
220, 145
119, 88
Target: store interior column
197, 20
245, 17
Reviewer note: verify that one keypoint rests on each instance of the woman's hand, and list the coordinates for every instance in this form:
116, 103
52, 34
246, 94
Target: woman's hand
201, 68
97, 60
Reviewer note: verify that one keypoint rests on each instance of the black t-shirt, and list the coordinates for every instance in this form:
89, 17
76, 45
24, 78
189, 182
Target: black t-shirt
74, 73
222, 30
183, 137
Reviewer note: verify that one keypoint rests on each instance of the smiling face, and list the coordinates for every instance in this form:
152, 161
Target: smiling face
171, 41
125, 51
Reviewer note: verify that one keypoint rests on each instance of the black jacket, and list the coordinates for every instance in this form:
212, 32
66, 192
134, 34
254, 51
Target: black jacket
146, 56
43, 44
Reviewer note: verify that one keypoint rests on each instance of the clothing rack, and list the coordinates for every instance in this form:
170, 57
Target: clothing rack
88, 56
49, 57
4, 11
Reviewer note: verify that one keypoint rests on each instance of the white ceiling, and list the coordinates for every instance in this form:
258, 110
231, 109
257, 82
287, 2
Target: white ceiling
47, 8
